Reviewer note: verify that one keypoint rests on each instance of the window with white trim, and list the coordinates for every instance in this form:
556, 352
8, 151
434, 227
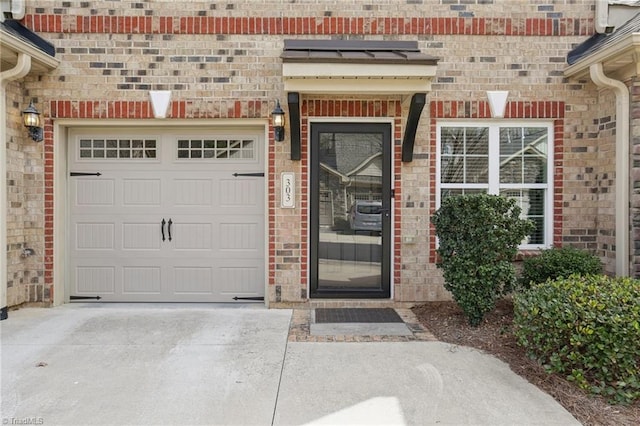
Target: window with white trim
508, 158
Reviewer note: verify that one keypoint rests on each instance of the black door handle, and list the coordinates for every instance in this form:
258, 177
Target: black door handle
169, 227
162, 228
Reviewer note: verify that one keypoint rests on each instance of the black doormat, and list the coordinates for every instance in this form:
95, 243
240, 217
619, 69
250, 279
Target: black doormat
346, 315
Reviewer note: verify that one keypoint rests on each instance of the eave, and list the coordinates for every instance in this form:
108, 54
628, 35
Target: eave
11, 46
620, 60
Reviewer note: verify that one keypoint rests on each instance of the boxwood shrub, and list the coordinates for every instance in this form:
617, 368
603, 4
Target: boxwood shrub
587, 328
558, 263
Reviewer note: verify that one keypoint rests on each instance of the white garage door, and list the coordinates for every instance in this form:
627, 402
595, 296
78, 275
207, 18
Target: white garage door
172, 217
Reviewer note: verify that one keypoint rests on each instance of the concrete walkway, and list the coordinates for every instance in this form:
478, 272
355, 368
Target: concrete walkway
146, 364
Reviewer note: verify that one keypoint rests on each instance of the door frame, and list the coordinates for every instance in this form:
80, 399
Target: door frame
353, 125
61, 133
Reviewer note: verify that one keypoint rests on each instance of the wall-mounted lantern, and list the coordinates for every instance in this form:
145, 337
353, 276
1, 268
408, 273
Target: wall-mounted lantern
31, 120
277, 120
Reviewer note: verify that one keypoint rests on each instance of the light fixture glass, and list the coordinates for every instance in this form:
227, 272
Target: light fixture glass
277, 120
31, 120
31, 116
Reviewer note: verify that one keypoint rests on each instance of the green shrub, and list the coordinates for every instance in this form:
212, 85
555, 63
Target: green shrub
558, 263
478, 239
587, 328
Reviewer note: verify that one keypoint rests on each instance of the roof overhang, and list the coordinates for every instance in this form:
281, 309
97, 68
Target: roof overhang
16, 39
620, 60
356, 66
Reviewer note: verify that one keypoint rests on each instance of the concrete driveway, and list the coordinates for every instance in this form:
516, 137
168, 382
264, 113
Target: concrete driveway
154, 364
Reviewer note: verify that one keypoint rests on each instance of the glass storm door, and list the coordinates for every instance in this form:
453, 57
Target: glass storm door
350, 210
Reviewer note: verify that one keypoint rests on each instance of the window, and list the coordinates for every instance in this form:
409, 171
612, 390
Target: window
508, 158
218, 149
112, 149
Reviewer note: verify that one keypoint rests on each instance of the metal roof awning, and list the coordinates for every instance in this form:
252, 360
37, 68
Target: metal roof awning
369, 67
356, 66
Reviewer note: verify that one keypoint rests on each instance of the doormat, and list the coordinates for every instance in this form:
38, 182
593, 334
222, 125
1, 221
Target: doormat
355, 315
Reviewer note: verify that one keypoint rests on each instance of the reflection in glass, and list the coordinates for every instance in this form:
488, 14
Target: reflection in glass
350, 211
523, 155
465, 155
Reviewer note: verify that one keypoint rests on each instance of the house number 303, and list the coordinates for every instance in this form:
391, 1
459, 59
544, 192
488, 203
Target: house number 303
288, 196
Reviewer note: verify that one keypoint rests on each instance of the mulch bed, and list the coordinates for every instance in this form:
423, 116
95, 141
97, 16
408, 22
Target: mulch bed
494, 336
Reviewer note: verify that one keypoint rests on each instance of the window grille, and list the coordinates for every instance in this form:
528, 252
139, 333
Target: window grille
106, 149
218, 149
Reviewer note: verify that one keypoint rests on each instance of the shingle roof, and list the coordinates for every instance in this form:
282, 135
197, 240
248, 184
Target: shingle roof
601, 41
18, 30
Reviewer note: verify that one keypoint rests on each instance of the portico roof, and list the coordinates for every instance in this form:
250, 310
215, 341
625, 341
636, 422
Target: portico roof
356, 66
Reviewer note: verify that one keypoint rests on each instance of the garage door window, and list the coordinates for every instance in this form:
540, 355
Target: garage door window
118, 148
219, 149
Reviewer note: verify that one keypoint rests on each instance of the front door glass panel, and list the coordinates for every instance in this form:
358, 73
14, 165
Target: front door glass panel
350, 210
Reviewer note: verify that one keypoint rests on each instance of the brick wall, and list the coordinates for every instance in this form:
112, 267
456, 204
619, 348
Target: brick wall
221, 60
25, 220
589, 196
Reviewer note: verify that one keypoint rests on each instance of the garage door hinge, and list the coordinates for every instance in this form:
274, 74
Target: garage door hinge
248, 174
84, 174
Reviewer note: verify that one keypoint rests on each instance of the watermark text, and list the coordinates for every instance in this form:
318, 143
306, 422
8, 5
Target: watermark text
22, 421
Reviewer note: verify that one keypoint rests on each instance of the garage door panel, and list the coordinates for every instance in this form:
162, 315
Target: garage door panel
236, 235
237, 193
193, 192
141, 280
94, 236
193, 280
141, 236
94, 192
192, 236
139, 191
216, 246
95, 280
240, 280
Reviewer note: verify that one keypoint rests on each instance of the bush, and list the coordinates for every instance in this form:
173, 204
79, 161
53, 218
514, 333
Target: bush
558, 263
586, 327
478, 239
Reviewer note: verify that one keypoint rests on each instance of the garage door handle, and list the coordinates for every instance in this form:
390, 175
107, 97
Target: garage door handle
162, 228
169, 227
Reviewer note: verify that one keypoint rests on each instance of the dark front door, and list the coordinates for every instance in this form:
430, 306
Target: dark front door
350, 210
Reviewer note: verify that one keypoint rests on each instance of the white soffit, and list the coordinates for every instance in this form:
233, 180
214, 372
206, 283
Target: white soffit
367, 78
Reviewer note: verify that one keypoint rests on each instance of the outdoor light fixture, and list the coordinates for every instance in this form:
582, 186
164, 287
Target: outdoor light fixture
31, 119
277, 119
